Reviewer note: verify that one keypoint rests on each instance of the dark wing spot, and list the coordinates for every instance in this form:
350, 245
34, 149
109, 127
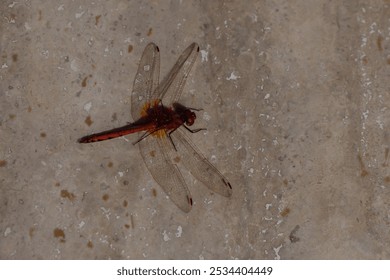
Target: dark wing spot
189, 199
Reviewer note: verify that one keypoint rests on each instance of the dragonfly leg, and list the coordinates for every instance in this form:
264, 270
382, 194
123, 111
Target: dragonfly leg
195, 109
194, 130
146, 134
170, 138
180, 107
142, 137
189, 129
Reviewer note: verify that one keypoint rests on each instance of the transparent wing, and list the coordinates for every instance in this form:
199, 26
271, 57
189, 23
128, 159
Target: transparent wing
199, 166
146, 80
155, 152
172, 86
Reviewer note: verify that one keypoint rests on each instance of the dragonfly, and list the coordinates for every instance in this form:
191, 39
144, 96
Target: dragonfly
163, 129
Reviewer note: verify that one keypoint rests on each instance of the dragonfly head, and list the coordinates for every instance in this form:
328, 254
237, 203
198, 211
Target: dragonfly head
187, 116
190, 117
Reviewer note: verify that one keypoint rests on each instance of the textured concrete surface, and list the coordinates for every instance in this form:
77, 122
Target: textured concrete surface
296, 102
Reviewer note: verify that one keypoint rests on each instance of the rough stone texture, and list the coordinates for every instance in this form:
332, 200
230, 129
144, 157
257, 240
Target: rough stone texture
295, 99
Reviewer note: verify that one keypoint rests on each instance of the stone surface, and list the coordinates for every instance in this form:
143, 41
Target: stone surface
295, 99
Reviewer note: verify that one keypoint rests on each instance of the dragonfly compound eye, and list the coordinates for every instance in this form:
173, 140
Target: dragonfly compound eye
190, 118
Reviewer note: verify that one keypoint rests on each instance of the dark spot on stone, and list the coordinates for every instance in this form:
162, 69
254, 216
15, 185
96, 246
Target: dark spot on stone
68, 195
88, 121
59, 233
97, 18
292, 236
285, 212
84, 82
379, 41
31, 232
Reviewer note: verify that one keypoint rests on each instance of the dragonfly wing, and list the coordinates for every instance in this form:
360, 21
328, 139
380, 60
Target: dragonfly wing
199, 166
172, 86
146, 80
155, 152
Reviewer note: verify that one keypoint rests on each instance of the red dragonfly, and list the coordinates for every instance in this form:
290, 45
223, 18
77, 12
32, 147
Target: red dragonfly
164, 142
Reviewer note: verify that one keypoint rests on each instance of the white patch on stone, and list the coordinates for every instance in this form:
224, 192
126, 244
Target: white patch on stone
165, 236
27, 26
204, 55
232, 77
7, 231
74, 65
88, 106
179, 231
79, 15
277, 252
